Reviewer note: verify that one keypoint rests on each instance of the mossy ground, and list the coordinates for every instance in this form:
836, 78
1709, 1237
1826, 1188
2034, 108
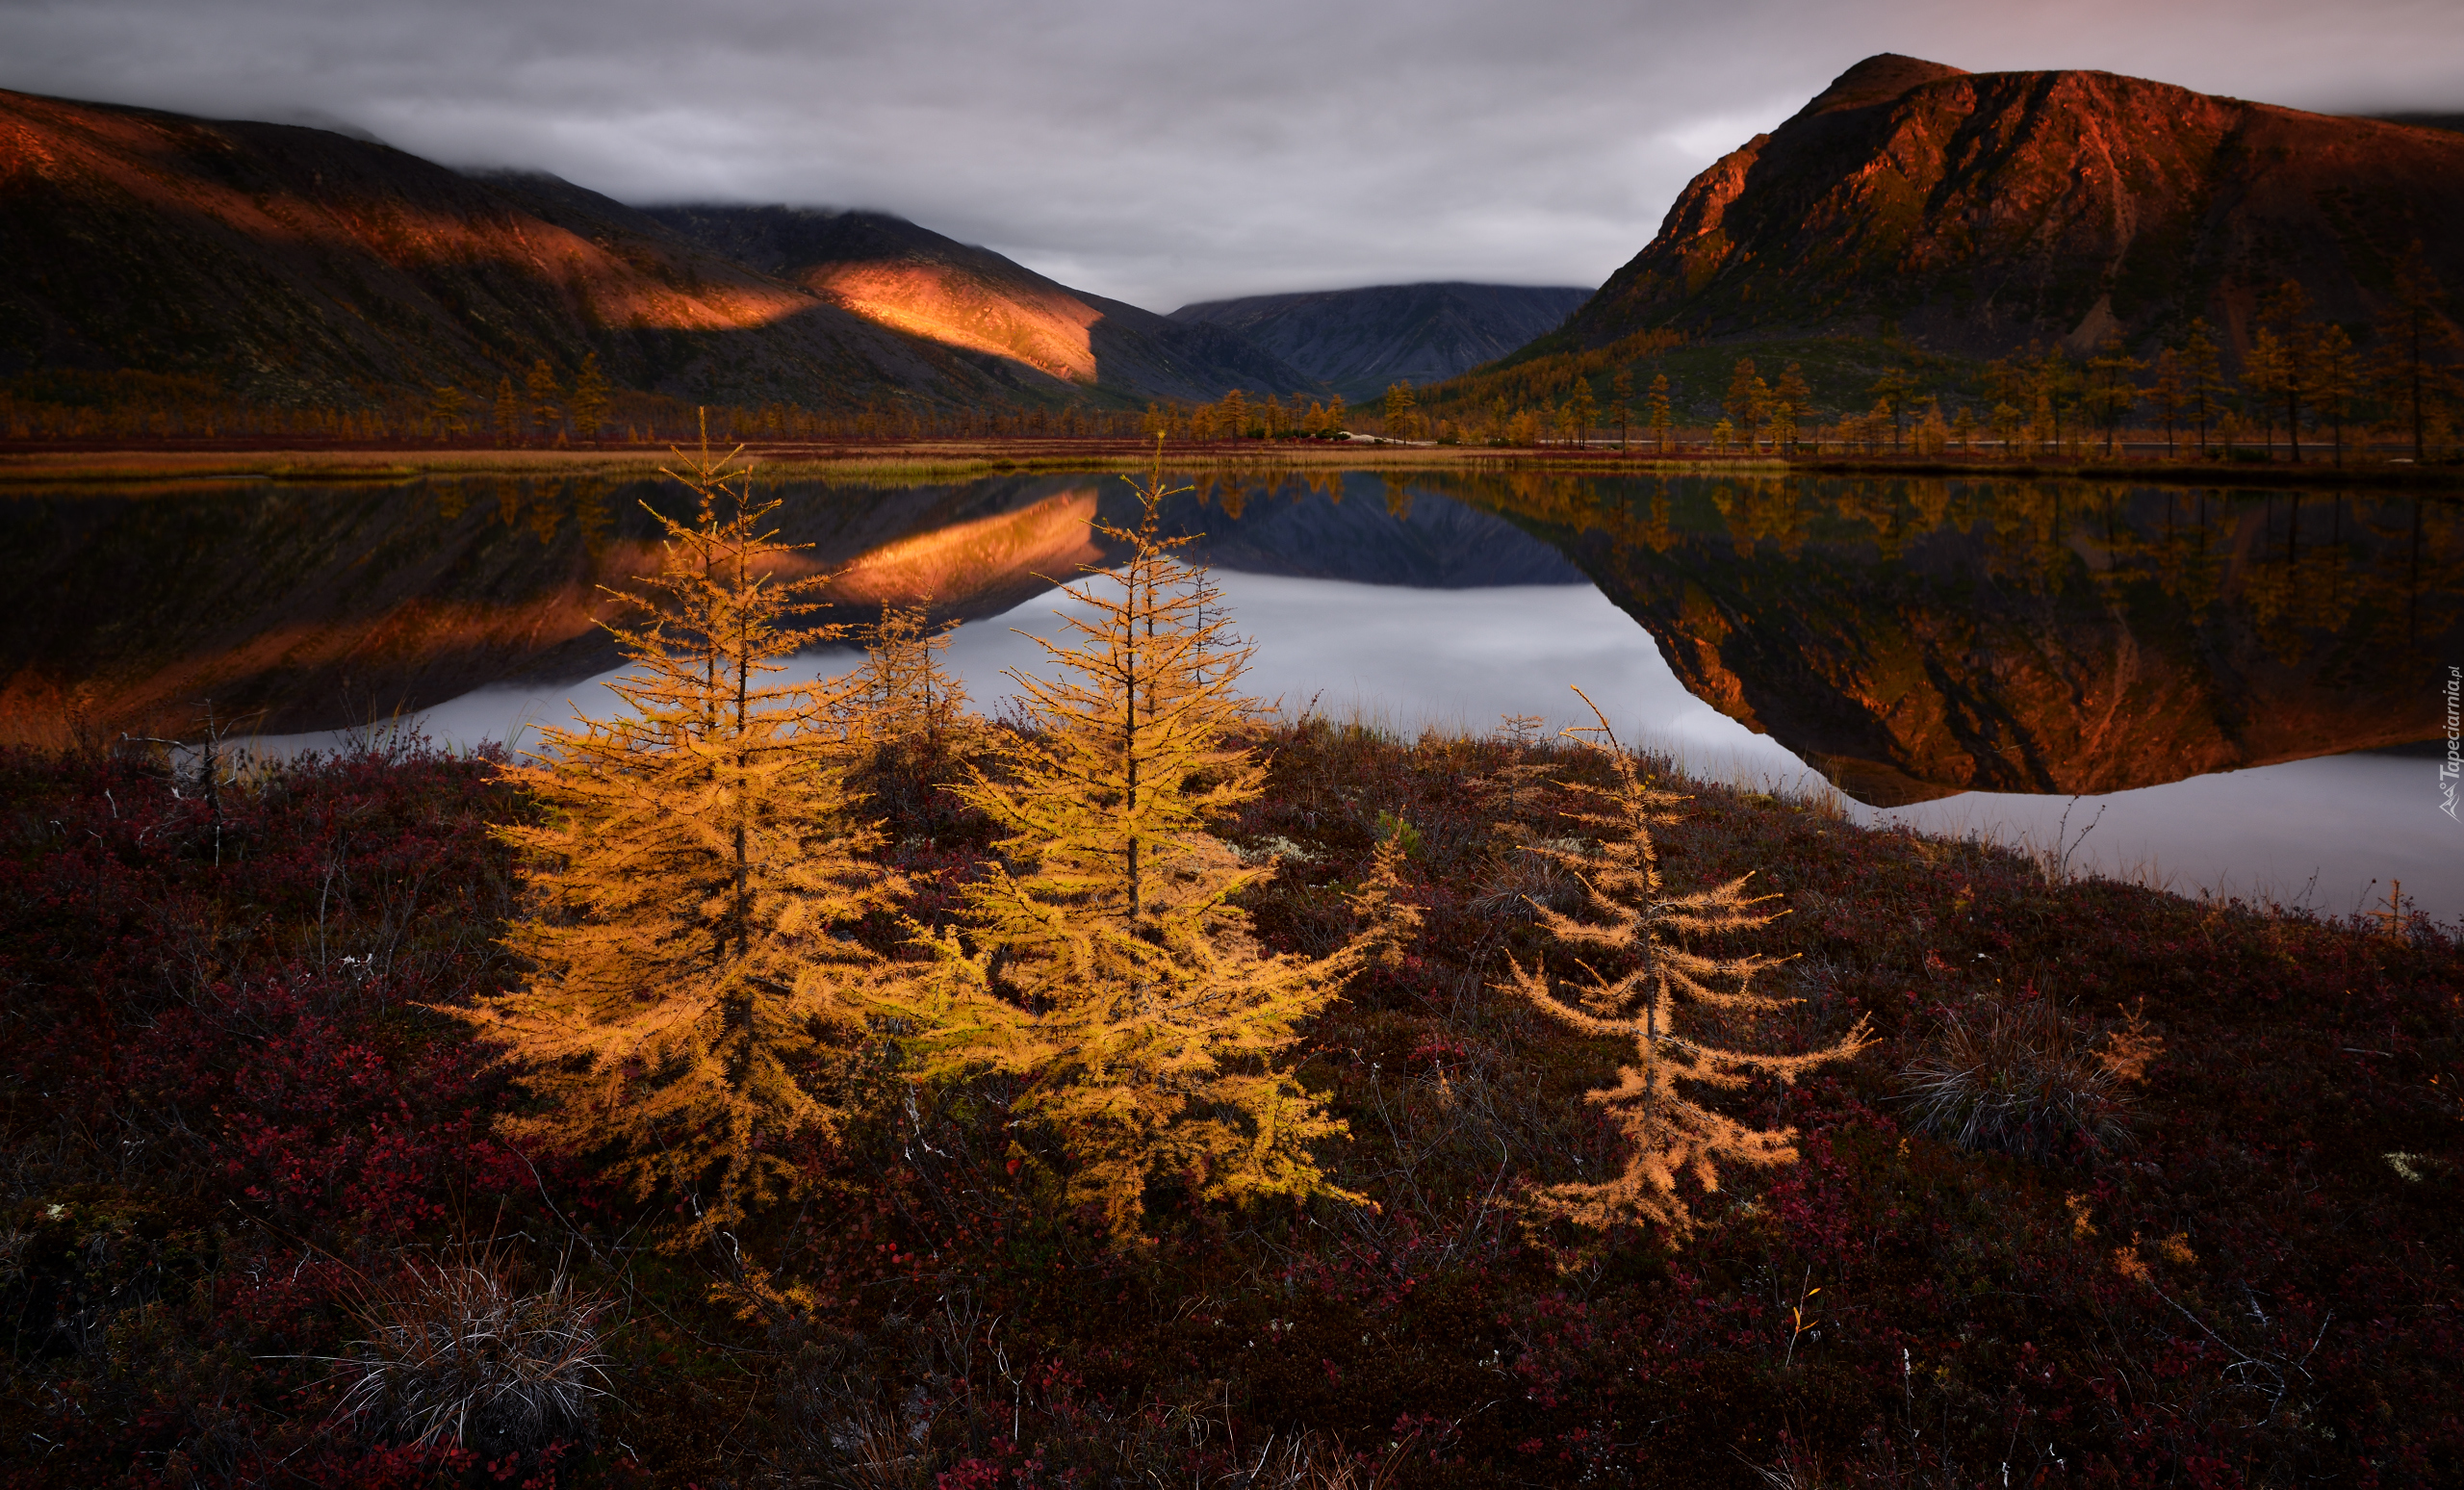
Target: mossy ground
222, 1099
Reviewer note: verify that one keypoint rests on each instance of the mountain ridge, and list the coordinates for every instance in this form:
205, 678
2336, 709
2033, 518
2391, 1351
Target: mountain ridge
898, 273
293, 265
1980, 212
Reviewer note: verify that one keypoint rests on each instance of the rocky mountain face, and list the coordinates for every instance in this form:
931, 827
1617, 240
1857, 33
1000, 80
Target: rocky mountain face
891, 271
293, 265
1361, 341
1980, 212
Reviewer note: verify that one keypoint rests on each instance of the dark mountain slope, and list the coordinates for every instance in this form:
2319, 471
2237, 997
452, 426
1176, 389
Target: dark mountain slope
889, 270
298, 265
1978, 212
1360, 341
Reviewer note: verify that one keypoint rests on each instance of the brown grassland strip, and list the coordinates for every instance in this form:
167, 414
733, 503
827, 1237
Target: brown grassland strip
874, 462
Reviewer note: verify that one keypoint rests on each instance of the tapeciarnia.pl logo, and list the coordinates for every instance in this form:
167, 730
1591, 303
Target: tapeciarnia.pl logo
2454, 766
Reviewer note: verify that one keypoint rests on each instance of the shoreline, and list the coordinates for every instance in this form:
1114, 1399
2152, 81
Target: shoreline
888, 461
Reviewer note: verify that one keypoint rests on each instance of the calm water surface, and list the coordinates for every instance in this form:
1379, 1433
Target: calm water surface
2213, 686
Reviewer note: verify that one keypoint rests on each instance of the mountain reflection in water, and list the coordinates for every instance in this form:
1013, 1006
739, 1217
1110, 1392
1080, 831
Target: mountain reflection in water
1911, 638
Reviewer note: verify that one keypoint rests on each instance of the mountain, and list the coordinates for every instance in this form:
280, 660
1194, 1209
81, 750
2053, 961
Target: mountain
296, 266
1978, 212
1361, 341
300, 266
889, 271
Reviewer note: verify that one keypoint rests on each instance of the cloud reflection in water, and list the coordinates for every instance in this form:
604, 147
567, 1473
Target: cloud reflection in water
2314, 833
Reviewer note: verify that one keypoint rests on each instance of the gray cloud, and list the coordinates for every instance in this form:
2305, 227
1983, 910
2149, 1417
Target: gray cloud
1168, 152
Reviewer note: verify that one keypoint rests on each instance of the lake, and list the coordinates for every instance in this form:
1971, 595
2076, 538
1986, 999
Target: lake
2231, 692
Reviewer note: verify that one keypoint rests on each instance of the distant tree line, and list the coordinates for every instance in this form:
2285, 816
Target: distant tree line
543, 406
2302, 384
2308, 386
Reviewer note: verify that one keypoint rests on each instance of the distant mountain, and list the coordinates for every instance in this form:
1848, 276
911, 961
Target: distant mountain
300, 266
889, 271
1978, 212
1361, 341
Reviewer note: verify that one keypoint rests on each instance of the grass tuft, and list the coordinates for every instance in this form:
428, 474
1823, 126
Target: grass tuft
452, 1353
2016, 1078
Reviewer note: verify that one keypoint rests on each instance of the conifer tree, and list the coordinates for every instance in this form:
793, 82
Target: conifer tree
1791, 392
2295, 371
1103, 963
541, 392
904, 719
445, 408
1748, 399
1638, 980
692, 879
2264, 380
2168, 390
1892, 393
508, 412
1585, 408
2202, 379
2414, 342
1660, 416
2112, 393
2335, 382
2053, 382
1964, 429
591, 399
1400, 404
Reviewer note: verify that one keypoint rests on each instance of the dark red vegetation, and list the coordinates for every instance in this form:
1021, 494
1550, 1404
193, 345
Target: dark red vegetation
225, 1103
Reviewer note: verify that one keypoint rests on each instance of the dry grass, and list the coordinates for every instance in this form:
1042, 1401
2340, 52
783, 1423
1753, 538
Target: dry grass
2020, 1078
454, 1353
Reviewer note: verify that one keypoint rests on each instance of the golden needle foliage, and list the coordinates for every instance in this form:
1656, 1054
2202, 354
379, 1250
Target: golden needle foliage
692, 877
1104, 964
1635, 979
904, 719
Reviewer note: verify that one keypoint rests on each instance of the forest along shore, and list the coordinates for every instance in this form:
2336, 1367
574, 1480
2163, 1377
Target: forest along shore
70, 465
2194, 1203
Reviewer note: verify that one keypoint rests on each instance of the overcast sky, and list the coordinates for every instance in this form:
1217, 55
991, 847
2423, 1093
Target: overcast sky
1164, 152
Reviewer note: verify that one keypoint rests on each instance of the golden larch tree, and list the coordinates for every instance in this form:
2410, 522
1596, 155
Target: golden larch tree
904, 718
1635, 978
1104, 964
543, 397
693, 876
591, 398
